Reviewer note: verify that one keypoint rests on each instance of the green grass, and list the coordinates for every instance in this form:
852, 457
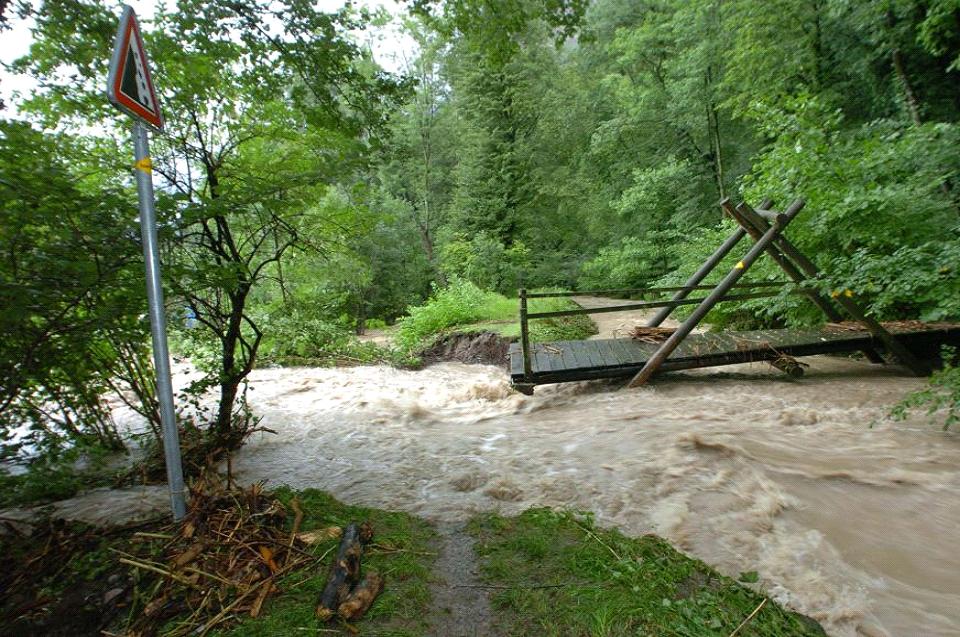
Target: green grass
401, 551
560, 575
463, 307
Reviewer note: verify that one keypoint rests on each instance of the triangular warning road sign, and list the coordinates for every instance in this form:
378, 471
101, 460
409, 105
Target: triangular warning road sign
129, 86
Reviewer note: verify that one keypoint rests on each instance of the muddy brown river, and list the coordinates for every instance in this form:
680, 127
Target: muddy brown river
846, 516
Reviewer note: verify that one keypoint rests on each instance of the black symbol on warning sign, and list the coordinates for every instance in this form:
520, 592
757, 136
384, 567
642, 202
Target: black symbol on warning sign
134, 82
128, 85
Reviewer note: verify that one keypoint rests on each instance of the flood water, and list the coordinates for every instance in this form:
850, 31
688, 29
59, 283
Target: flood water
847, 516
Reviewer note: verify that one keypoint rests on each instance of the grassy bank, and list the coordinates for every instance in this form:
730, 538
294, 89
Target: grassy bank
68, 579
401, 551
556, 574
463, 307
546, 573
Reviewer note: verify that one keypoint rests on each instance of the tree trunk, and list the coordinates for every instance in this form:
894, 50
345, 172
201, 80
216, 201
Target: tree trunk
909, 96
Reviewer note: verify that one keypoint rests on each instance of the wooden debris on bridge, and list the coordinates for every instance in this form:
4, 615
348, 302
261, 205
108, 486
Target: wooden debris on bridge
651, 334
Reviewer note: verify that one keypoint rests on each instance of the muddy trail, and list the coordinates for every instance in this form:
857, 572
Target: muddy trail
847, 516
461, 604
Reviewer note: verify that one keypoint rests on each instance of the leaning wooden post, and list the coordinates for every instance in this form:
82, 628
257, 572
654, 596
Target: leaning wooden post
757, 224
702, 272
895, 347
524, 335
668, 346
741, 215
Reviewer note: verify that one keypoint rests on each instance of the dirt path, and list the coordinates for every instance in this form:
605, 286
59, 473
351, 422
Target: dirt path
616, 324
461, 606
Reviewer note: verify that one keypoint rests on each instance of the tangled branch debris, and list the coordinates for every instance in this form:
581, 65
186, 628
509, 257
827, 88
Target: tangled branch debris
651, 334
224, 560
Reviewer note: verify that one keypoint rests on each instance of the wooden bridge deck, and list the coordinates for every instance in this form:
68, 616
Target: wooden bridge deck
565, 361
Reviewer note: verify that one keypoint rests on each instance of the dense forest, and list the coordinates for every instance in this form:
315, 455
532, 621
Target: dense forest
306, 194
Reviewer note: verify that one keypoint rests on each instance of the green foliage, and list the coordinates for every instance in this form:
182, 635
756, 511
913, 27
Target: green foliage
940, 31
877, 214
296, 339
48, 478
71, 293
468, 308
460, 303
633, 263
592, 581
941, 397
485, 262
258, 126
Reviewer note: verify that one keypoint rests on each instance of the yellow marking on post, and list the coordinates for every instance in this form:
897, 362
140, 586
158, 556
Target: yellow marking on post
848, 293
835, 294
145, 164
740, 265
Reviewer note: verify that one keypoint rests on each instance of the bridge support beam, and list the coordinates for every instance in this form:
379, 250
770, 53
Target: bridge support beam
790, 252
703, 271
668, 346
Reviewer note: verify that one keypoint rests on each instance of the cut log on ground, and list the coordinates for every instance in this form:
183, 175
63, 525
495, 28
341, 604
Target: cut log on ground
345, 571
362, 596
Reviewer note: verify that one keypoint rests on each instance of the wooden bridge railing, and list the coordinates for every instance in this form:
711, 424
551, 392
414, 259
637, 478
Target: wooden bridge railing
765, 226
668, 305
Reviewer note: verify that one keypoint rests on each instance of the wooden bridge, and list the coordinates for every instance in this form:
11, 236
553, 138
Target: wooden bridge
911, 343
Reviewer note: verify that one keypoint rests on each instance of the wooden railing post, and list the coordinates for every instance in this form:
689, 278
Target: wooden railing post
664, 351
524, 334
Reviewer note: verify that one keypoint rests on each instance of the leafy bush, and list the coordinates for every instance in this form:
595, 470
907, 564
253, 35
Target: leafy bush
48, 478
633, 262
294, 339
485, 261
941, 393
460, 303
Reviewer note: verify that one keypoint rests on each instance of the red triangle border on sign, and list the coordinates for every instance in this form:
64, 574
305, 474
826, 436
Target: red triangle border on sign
129, 28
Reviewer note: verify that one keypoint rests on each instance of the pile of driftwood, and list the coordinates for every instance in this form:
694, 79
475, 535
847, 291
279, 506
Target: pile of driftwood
227, 557
651, 334
223, 560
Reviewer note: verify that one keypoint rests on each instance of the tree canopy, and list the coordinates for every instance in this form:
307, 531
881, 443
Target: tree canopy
304, 191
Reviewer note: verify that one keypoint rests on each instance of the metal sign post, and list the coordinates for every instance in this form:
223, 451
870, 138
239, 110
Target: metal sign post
130, 88
158, 320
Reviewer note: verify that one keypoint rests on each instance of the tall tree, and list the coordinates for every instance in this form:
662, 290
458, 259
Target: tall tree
259, 121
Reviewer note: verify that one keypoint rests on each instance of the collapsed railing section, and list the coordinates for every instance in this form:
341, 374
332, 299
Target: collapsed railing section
765, 226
